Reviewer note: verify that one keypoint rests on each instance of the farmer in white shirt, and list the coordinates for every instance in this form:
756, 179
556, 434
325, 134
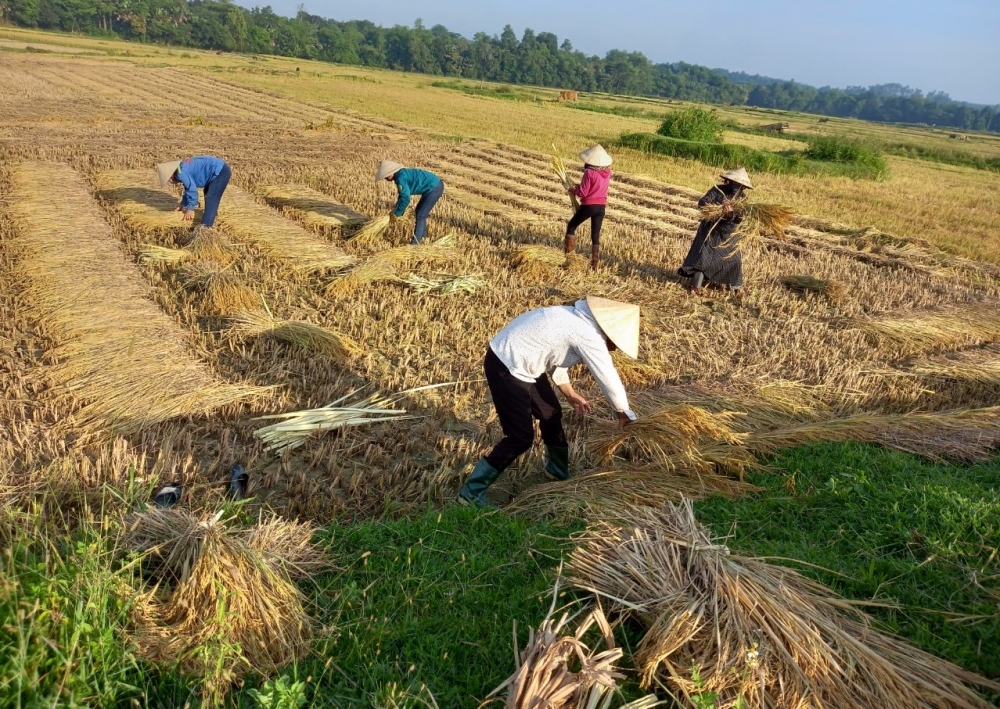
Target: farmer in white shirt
520, 358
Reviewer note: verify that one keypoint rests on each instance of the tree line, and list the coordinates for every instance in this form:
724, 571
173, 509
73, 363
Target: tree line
535, 58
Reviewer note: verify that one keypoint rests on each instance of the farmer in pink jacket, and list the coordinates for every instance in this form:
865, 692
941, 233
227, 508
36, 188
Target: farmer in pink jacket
593, 195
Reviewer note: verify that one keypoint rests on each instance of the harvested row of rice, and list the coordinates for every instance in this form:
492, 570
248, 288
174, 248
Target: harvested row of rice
943, 328
117, 352
142, 203
306, 335
976, 367
758, 635
223, 606
311, 207
283, 240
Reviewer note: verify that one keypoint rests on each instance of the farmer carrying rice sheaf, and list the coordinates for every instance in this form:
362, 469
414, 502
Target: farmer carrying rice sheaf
593, 195
519, 360
205, 172
714, 255
411, 181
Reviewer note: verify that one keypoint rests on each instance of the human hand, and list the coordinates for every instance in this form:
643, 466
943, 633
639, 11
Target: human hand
623, 420
179, 208
727, 207
579, 404
189, 215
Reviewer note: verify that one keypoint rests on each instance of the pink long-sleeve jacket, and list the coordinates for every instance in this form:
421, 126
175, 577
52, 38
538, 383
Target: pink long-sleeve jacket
593, 188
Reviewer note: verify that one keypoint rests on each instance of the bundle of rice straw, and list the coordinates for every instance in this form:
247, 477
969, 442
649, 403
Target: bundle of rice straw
832, 290
559, 167
223, 608
759, 220
445, 286
371, 231
207, 244
309, 337
371, 271
544, 679
537, 261
759, 636
151, 253
605, 493
311, 207
296, 427
223, 292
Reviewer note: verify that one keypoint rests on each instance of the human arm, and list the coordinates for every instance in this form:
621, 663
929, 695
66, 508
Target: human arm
190, 199
599, 362
579, 404
584, 186
403, 200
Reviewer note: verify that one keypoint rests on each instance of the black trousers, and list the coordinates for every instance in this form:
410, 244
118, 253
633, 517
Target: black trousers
593, 212
517, 403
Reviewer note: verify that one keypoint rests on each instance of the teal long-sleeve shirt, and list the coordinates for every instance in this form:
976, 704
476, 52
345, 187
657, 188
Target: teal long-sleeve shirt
410, 181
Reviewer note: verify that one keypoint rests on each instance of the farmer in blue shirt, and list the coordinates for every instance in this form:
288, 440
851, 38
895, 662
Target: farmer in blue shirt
410, 181
205, 172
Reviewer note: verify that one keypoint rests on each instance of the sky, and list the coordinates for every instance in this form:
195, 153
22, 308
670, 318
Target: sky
933, 45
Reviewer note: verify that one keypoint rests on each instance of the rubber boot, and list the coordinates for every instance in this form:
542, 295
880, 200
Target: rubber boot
595, 256
569, 244
474, 490
558, 463
697, 280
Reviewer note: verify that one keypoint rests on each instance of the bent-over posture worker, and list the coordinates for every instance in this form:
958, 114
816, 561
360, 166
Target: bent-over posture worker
593, 195
411, 181
714, 255
205, 172
518, 363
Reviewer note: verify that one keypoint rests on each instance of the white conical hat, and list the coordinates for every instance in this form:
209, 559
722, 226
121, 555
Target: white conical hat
387, 168
619, 321
166, 170
739, 176
595, 155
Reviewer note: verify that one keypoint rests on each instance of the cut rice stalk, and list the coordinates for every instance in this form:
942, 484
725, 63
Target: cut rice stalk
538, 261
371, 271
832, 290
943, 328
151, 253
759, 221
305, 335
759, 636
371, 232
442, 249
559, 167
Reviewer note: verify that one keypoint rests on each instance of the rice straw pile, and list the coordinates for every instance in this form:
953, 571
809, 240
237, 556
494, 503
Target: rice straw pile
118, 353
207, 244
943, 328
371, 232
373, 270
980, 367
537, 261
760, 636
152, 253
305, 335
281, 239
142, 203
311, 207
833, 290
426, 251
445, 286
559, 167
223, 292
223, 607
557, 670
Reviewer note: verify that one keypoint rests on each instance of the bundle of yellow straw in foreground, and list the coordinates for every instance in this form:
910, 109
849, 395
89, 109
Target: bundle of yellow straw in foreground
759, 220
760, 636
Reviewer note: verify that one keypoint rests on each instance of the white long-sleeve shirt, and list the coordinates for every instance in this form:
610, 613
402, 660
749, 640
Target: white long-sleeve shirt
551, 340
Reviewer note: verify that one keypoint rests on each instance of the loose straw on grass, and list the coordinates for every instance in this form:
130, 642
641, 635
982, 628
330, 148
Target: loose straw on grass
832, 290
127, 362
759, 636
305, 335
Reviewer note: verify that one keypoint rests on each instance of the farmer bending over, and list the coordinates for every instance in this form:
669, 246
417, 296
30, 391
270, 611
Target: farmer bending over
205, 172
411, 181
518, 363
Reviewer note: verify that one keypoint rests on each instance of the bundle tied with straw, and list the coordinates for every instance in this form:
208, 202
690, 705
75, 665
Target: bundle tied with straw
559, 167
372, 230
305, 335
833, 290
758, 635
222, 607
294, 429
758, 220
557, 670
223, 291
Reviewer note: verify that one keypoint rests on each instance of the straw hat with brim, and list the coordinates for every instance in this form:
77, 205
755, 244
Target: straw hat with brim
619, 321
387, 168
740, 177
595, 155
166, 170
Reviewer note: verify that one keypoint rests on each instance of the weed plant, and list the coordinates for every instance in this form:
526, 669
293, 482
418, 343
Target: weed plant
692, 123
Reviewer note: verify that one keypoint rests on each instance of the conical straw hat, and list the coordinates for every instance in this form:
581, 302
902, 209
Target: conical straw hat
739, 176
166, 170
595, 155
387, 168
619, 321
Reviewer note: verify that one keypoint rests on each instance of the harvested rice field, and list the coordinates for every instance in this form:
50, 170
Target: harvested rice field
342, 369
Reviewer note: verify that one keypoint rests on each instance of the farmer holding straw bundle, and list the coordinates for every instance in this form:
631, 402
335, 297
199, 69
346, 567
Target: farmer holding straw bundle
411, 181
593, 195
518, 363
714, 255
205, 172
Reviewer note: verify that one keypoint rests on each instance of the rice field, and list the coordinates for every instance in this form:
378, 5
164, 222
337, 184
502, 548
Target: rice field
129, 350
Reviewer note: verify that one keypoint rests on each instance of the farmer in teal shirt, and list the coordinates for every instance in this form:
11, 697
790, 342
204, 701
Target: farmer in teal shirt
411, 181
205, 172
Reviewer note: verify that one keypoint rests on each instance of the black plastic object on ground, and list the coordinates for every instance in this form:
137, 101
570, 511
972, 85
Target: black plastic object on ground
168, 496
239, 478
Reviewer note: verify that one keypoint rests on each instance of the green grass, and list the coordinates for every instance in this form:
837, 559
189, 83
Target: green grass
900, 530
503, 91
846, 152
692, 123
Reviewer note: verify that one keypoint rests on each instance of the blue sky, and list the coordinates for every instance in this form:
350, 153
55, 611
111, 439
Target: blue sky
951, 46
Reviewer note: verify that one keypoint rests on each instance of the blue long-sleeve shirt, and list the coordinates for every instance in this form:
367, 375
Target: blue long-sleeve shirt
195, 173
410, 181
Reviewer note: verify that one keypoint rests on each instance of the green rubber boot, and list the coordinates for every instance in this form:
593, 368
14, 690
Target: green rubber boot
474, 490
558, 463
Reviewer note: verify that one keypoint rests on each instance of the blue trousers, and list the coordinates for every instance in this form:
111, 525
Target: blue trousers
213, 195
424, 207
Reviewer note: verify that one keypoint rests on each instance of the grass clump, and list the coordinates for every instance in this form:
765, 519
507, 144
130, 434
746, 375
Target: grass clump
841, 150
692, 123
